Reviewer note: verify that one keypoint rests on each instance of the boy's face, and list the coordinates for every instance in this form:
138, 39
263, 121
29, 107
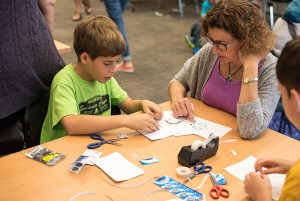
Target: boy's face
101, 69
291, 104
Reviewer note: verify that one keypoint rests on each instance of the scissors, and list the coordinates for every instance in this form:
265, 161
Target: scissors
199, 168
217, 191
102, 141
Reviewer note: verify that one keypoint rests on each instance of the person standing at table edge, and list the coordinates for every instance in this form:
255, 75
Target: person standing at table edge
115, 9
82, 94
29, 61
258, 185
234, 71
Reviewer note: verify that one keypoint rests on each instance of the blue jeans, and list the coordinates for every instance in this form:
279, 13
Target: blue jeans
115, 9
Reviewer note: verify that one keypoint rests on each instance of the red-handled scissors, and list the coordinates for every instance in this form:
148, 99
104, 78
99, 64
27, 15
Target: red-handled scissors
217, 191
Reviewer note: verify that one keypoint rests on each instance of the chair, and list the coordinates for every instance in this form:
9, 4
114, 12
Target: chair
12, 139
34, 119
115, 110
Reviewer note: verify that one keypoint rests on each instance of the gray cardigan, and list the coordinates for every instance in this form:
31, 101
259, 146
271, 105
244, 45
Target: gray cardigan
253, 117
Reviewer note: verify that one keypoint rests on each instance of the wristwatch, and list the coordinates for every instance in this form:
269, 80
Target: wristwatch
247, 80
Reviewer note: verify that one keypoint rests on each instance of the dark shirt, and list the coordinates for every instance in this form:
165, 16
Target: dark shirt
28, 56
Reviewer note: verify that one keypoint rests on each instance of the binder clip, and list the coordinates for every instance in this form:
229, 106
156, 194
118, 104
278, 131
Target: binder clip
189, 157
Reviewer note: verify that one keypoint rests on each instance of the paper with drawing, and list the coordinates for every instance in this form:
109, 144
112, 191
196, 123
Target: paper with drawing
170, 125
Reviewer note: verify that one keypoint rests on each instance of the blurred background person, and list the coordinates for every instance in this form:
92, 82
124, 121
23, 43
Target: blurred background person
47, 8
286, 28
115, 8
87, 9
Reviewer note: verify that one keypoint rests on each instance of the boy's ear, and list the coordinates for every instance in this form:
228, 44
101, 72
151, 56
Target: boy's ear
84, 57
295, 97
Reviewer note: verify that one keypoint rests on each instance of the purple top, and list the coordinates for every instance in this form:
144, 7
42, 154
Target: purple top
225, 94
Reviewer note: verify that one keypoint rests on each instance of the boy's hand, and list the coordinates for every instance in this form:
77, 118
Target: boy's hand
258, 187
273, 165
152, 109
141, 122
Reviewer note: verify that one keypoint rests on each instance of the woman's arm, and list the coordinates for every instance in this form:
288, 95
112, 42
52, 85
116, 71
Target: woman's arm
258, 102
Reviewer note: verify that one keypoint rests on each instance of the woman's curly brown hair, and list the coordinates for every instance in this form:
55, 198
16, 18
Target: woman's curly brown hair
244, 22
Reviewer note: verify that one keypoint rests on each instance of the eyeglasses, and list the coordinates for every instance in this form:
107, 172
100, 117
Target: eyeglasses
220, 46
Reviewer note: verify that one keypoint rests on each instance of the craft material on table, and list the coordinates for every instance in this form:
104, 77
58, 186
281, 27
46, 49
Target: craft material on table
241, 169
199, 168
217, 191
183, 172
173, 126
88, 156
44, 155
118, 167
178, 188
148, 161
102, 141
76, 167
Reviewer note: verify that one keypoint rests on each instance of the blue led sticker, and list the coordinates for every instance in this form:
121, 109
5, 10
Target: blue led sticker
148, 161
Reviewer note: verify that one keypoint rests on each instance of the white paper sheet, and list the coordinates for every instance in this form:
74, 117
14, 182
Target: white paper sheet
170, 125
239, 170
118, 167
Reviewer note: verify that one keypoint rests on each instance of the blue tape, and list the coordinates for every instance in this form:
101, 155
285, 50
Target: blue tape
178, 189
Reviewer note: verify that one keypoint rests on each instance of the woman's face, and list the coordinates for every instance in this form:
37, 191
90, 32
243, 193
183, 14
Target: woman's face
224, 44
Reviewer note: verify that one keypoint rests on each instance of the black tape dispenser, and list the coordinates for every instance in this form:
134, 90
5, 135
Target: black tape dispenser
198, 151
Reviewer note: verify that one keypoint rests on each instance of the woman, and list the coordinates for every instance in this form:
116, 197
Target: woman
235, 71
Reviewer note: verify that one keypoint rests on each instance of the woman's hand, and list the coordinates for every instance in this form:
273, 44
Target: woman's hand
249, 60
182, 107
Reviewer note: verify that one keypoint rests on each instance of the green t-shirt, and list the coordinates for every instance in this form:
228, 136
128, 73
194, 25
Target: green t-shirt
71, 95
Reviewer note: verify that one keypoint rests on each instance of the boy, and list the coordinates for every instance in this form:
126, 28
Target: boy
82, 95
258, 185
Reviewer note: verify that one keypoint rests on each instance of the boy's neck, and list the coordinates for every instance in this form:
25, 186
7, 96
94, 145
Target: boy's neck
79, 68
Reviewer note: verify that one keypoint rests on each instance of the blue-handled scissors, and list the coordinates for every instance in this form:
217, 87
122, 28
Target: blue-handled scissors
217, 191
199, 168
102, 141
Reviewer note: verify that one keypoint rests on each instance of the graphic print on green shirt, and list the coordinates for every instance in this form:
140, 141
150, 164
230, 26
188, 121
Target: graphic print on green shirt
95, 106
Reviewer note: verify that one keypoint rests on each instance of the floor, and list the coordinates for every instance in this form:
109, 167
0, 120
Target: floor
156, 43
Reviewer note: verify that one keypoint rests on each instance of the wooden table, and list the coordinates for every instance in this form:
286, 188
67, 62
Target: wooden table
22, 178
61, 47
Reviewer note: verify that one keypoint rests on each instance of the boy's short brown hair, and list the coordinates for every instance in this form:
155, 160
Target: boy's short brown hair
243, 21
98, 36
288, 66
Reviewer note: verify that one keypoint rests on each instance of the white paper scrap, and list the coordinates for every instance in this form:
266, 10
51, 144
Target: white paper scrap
241, 169
118, 167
